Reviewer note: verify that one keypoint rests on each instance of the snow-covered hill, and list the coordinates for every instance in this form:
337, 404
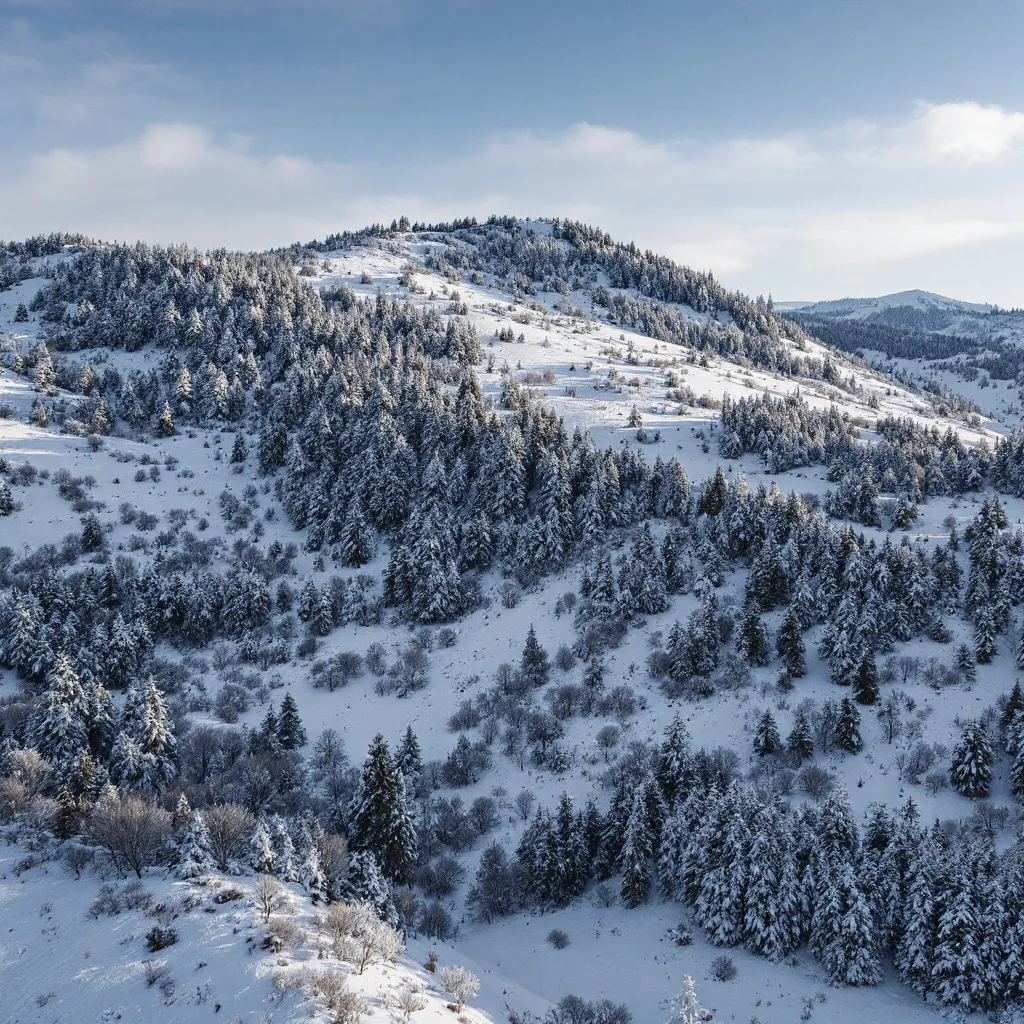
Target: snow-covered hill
859, 309
183, 517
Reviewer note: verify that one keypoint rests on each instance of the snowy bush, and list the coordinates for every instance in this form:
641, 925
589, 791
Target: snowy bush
331, 986
158, 938
722, 968
460, 983
557, 938
435, 922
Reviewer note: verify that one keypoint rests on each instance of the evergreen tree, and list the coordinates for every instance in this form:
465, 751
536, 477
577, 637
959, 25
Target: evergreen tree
1017, 765
985, 631
165, 425
92, 533
382, 821
408, 756
534, 666
957, 967
356, 536
800, 742
284, 849
290, 733
844, 932
261, 848
752, 637
194, 857
965, 662
367, 884
146, 722
970, 770
847, 728
181, 816
6, 499
686, 1008
675, 762
239, 451
57, 727
865, 683
790, 644
766, 736
637, 850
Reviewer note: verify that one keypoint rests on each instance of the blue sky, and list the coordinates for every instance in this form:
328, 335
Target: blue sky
807, 149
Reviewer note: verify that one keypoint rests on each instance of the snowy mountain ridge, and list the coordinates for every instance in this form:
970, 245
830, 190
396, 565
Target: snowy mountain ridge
567, 526
863, 307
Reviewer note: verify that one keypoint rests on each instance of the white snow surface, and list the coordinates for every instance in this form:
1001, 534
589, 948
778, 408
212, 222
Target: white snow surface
58, 965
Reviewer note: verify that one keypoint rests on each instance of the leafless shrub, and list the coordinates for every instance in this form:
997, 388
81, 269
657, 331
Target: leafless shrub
410, 1000
229, 826
461, 984
815, 781
331, 986
270, 895
524, 803
131, 830
722, 968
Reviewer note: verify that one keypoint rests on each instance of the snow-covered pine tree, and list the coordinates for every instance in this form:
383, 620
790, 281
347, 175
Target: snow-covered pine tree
790, 644
57, 727
239, 451
637, 850
147, 723
800, 741
686, 1009
956, 966
356, 536
847, 728
181, 816
261, 848
534, 666
382, 821
865, 682
408, 757
752, 636
194, 857
367, 884
284, 849
6, 499
970, 768
766, 736
675, 762
290, 732
844, 932
165, 425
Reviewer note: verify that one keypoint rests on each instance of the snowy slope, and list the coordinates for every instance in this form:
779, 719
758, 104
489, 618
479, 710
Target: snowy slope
592, 373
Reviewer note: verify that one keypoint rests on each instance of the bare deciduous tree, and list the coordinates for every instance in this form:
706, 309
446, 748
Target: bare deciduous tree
131, 830
270, 895
229, 826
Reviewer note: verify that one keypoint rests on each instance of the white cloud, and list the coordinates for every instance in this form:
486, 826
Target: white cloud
970, 133
861, 207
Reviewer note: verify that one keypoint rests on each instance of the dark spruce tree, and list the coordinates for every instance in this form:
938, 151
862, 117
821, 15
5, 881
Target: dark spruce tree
865, 682
382, 822
290, 732
970, 769
766, 736
533, 665
847, 729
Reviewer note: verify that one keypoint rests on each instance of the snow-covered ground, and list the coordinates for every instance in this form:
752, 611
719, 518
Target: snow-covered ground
57, 964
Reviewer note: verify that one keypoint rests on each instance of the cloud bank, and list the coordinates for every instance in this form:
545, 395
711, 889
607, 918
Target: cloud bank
935, 200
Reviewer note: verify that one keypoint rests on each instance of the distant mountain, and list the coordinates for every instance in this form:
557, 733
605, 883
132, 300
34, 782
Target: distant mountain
920, 325
914, 299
